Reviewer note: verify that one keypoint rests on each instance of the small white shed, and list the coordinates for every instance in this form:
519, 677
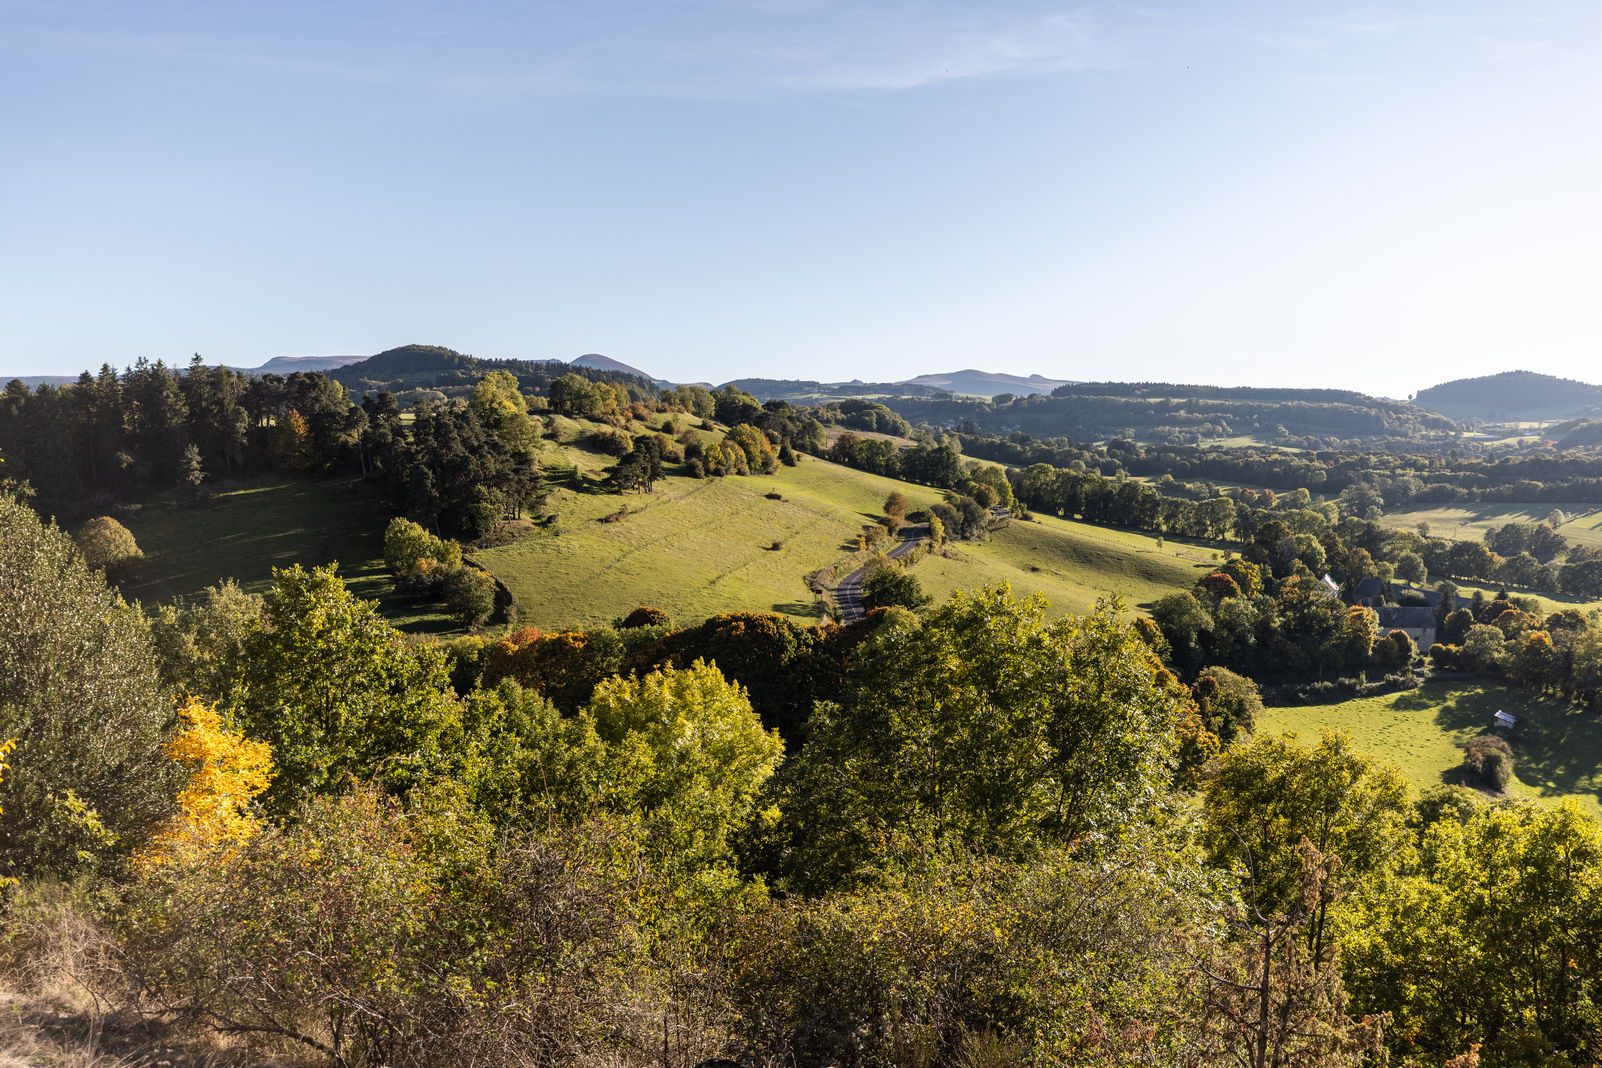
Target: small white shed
1504, 720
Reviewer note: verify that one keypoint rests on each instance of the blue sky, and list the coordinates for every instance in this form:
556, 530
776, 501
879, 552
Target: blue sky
1378, 197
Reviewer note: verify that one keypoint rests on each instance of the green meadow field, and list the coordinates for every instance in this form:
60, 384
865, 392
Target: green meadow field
694, 547
1470, 522
1557, 750
245, 532
698, 547
1071, 564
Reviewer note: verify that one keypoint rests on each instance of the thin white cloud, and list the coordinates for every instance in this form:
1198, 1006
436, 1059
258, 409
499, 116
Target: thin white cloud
706, 48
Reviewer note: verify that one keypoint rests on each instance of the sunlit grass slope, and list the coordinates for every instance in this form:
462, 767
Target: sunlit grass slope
1070, 563
1557, 751
694, 547
1470, 522
699, 547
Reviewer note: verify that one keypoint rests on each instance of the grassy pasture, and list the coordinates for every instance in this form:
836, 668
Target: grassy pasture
698, 547
1557, 750
244, 533
1070, 563
694, 547
1469, 522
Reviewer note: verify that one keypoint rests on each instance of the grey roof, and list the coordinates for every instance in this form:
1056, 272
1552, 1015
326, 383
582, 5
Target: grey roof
1368, 588
1393, 617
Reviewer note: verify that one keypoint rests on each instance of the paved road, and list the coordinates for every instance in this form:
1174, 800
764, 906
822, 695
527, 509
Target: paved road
848, 594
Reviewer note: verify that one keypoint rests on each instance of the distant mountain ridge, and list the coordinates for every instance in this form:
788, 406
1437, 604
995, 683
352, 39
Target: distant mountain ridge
975, 383
968, 383
595, 361
411, 368
278, 365
288, 365
1513, 396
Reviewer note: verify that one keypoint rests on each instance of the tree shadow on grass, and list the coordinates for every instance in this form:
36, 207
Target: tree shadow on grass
798, 608
1556, 750
1416, 701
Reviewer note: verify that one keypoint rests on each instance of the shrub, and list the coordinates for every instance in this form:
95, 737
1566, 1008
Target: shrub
407, 545
935, 964
108, 545
889, 584
564, 666
611, 442
644, 616
1490, 759
375, 936
80, 690
1228, 703
470, 595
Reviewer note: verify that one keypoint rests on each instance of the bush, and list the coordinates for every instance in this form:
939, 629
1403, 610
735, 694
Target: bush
1490, 759
890, 584
108, 545
470, 595
407, 545
611, 442
80, 690
375, 936
935, 964
1228, 703
644, 616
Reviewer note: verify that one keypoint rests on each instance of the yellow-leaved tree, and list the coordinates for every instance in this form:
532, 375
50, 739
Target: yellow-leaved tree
5, 751
227, 772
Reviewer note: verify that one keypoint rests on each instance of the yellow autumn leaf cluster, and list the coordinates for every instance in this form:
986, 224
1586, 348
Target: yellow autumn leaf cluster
227, 772
5, 750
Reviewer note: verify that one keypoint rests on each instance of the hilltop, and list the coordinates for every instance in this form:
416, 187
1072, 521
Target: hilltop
410, 369
1181, 414
596, 362
1513, 396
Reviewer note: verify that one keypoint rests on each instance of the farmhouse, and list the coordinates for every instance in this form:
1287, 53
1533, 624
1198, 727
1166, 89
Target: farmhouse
1373, 592
1417, 623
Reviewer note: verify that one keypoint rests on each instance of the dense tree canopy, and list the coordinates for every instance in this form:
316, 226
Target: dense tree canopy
983, 727
336, 692
79, 690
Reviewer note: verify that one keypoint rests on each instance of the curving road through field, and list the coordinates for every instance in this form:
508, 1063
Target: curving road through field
848, 594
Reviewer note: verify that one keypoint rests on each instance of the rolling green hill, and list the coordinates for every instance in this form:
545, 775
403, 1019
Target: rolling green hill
699, 547
694, 547
410, 369
1071, 564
